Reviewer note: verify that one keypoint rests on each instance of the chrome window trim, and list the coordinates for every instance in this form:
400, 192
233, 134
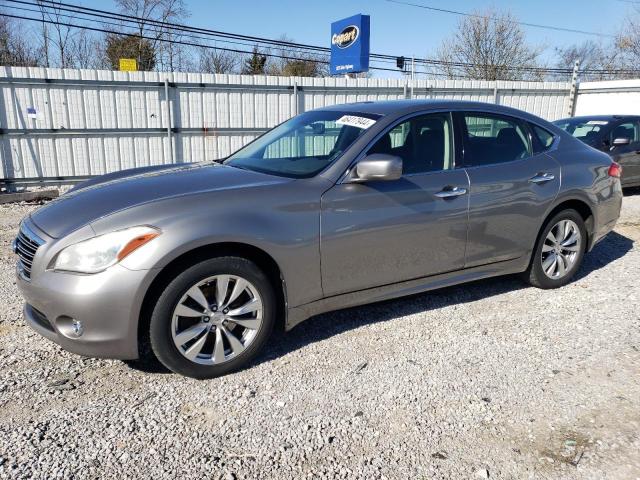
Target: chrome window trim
533, 155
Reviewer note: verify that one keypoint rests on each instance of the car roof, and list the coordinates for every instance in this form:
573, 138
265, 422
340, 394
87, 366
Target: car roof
599, 117
402, 107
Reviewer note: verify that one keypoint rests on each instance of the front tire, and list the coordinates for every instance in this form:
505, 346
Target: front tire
559, 251
213, 318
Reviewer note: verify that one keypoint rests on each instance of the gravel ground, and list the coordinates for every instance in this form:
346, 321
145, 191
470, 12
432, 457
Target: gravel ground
486, 380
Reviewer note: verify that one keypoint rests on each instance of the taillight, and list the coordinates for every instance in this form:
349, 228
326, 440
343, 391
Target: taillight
615, 170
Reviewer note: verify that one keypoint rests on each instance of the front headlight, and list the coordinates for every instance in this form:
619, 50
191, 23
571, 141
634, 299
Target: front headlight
99, 253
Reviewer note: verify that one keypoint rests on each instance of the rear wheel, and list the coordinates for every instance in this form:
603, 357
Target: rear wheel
213, 318
559, 251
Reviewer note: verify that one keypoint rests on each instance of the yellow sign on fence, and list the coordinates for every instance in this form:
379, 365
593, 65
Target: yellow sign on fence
128, 65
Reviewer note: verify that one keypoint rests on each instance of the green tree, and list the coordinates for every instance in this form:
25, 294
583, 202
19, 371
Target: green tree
255, 64
130, 46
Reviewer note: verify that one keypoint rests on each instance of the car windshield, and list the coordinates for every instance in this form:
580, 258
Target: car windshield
583, 129
303, 146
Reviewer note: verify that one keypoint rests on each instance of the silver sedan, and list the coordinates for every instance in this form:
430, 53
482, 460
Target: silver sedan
195, 264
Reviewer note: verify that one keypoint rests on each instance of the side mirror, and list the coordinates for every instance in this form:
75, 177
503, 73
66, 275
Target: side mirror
622, 141
377, 167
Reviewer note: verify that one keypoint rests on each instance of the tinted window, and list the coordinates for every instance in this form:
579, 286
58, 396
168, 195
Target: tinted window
304, 145
544, 137
628, 130
425, 143
494, 139
586, 130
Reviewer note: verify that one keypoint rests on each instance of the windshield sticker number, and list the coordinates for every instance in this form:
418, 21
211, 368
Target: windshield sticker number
597, 122
355, 121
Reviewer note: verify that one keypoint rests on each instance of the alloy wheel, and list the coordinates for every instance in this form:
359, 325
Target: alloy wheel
561, 249
217, 319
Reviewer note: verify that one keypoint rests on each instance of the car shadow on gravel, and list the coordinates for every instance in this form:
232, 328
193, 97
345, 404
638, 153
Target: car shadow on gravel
318, 328
611, 248
321, 327
631, 191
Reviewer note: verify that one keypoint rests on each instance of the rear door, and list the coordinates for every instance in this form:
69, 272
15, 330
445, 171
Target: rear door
512, 183
627, 155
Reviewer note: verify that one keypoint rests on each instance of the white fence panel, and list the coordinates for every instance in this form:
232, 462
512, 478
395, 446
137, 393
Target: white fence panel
618, 97
79, 123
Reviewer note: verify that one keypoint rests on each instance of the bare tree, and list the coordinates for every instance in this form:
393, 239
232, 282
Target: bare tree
86, 51
217, 61
291, 61
15, 50
592, 56
57, 35
628, 43
486, 46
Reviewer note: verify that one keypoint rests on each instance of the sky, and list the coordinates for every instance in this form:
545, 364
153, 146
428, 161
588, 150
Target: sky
400, 29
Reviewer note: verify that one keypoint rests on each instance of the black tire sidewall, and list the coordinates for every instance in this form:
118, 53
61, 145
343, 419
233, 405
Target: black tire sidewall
160, 325
537, 275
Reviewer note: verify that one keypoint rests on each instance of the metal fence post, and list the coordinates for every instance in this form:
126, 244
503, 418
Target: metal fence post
573, 93
166, 98
413, 75
299, 101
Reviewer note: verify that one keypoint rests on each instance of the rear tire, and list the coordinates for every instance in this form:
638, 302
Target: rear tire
559, 251
213, 318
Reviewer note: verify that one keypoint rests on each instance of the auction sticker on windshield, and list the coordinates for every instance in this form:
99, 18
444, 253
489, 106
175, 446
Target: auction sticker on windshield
355, 121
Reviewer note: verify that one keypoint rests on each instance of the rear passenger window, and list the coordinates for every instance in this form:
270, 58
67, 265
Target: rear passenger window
494, 139
424, 142
544, 137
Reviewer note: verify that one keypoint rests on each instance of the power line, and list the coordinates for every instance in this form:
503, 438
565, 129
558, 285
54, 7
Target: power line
174, 26
280, 44
270, 43
179, 42
475, 15
385, 58
261, 40
120, 25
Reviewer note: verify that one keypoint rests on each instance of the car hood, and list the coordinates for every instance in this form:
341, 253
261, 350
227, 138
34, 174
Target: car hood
112, 193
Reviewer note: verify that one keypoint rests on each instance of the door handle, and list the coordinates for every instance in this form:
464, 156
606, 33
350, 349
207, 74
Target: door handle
542, 178
451, 192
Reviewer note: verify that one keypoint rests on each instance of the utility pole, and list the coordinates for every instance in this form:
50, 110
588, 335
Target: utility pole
573, 93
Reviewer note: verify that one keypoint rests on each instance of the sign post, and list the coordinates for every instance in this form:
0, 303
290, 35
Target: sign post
350, 45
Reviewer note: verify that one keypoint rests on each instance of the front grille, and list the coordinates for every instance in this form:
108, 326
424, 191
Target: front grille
26, 245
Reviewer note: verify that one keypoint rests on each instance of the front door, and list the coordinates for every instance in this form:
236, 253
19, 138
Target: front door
627, 155
511, 187
385, 232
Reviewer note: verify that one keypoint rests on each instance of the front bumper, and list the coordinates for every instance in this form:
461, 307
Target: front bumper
107, 304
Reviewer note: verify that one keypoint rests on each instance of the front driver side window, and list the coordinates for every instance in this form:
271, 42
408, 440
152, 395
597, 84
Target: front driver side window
424, 142
630, 130
494, 139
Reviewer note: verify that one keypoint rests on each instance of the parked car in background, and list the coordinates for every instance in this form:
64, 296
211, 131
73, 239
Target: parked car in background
617, 135
336, 207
